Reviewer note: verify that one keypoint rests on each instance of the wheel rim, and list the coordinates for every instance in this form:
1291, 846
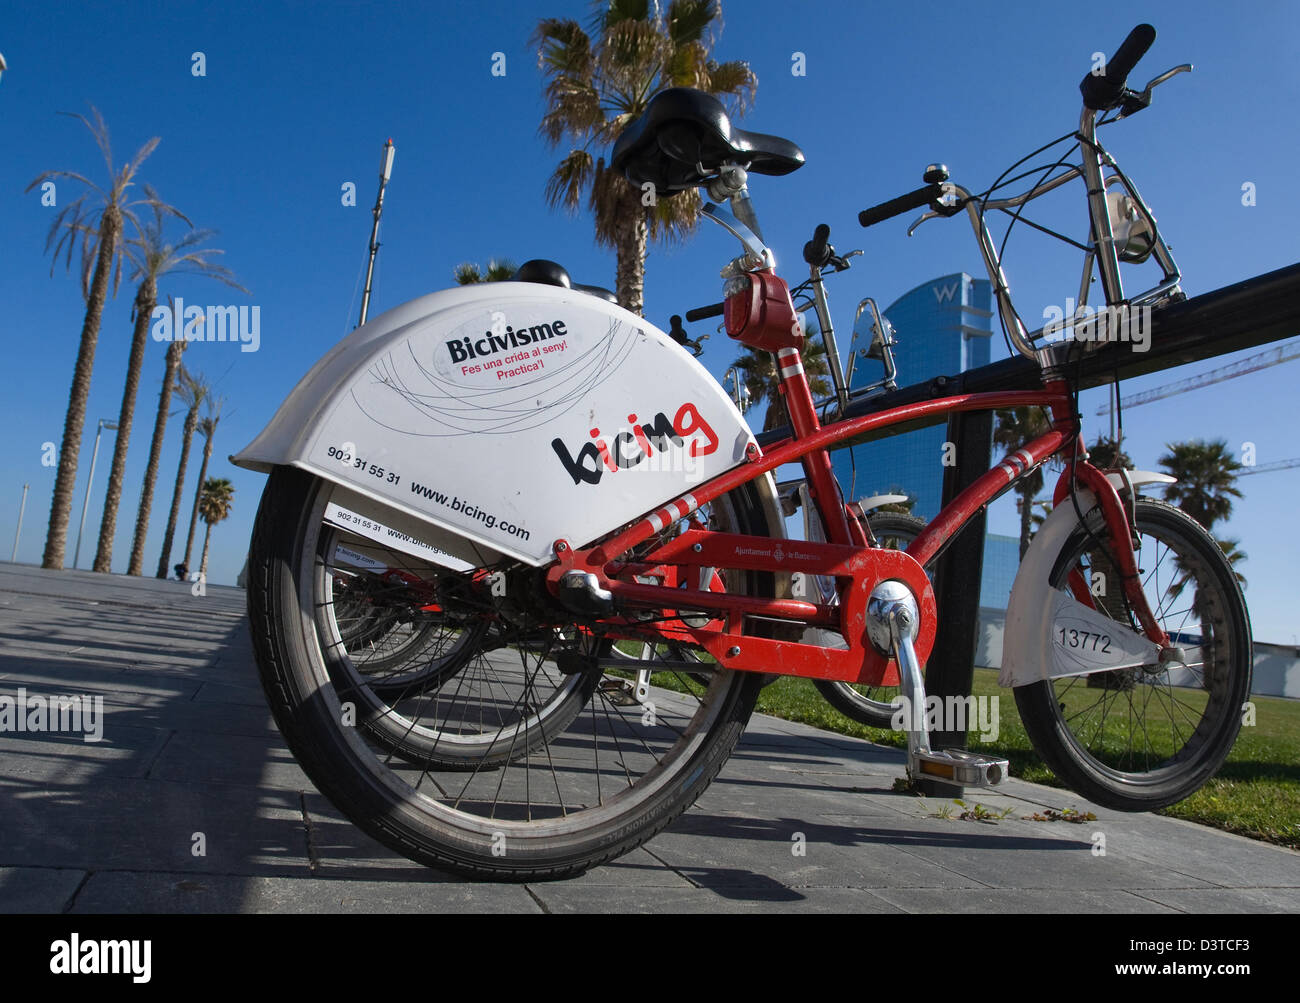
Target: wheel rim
601, 767
1141, 727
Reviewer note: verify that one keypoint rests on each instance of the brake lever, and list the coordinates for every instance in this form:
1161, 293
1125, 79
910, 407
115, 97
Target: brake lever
1135, 101
1180, 68
928, 214
841, 261
938, 209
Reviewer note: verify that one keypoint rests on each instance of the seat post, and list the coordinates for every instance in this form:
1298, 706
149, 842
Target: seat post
732, 184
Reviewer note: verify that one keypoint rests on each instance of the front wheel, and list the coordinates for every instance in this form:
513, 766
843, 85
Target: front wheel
1141, 738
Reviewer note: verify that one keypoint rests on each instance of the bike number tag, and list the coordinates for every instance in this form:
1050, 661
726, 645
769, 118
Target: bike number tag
1085, 640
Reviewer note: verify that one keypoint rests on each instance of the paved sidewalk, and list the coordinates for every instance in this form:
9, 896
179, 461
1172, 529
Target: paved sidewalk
189, 748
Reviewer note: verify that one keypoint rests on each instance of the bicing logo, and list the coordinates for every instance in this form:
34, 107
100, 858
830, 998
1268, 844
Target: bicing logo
662, 444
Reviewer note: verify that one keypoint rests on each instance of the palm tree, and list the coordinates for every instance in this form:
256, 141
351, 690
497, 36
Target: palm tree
1207, 474
191, 389
1206, 486
215, 503
599, 83
1014, 428
207, 428
498, 270
1233, 552
153, 259
173, 360
757, 368
1108, 455
94, 220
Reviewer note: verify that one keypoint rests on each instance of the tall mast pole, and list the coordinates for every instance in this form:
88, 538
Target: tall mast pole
385, 171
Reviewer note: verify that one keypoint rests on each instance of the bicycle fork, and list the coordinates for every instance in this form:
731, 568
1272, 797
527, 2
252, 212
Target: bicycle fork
892, 623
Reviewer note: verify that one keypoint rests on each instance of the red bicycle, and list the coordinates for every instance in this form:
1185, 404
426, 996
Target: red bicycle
452, 440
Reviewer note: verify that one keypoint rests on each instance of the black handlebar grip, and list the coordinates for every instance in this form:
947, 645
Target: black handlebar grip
815, 252
705, 312
900, 205
1102, 90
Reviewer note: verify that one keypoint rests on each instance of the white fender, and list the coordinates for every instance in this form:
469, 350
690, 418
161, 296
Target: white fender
1027, 649
875, 501
509, 414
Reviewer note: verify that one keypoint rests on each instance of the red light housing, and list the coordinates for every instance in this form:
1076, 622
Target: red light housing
737, 305
759, 313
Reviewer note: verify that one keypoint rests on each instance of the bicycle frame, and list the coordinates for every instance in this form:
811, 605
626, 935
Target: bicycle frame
847, 555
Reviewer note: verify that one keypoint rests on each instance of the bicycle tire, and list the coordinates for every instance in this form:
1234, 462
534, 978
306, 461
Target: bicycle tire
513, 837
1077, 742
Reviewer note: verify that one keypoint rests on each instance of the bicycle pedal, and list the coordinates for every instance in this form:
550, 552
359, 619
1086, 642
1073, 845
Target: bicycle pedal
958, 766
619, 692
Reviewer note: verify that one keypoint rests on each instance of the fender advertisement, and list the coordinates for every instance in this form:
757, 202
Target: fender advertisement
511, 414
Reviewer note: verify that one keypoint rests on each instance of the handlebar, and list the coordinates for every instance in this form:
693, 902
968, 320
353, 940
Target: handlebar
1105, 89
705, 312
817, 252
900, 205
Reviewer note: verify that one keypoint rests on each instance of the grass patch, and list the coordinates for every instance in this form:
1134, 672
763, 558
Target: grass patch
1255, 794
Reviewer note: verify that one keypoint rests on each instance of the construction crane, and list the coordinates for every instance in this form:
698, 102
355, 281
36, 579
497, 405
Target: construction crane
1268, 468
1274, 356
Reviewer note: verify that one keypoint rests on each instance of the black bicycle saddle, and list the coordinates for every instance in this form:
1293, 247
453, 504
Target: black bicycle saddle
684, 129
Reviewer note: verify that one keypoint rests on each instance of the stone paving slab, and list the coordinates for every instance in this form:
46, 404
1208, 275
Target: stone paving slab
799, 820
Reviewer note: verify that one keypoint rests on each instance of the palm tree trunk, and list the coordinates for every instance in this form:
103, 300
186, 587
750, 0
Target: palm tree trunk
632, 232
56, 539
174, 350
145, 298
191, 419
207, 537
198, 496
1026, 521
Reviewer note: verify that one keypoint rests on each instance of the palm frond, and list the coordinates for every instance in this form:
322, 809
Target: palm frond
565, 186
688, 66
613, 202
617, 11
734, 79
688, 19
467, 274
563, 48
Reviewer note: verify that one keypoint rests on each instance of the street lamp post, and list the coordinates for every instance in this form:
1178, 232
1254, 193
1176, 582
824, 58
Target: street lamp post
739, 392
21, 508
104, 423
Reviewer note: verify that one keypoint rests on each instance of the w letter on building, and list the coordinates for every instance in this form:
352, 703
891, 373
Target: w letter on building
944, 293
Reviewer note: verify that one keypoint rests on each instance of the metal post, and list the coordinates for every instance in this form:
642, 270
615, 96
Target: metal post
951, 668
90, 481
19, 531
385, 170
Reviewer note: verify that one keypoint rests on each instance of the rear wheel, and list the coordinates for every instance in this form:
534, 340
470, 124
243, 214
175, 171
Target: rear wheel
544, 790
1141, 738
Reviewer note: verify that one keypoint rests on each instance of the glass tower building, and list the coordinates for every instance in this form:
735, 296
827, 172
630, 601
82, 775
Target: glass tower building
941, 327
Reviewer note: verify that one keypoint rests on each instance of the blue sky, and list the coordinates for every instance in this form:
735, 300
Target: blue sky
299, 99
